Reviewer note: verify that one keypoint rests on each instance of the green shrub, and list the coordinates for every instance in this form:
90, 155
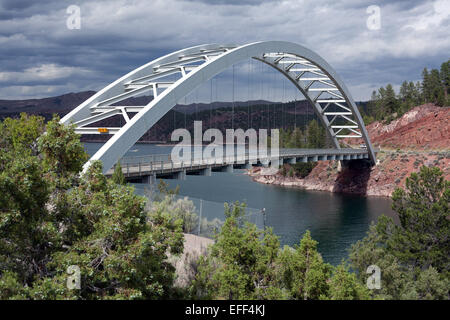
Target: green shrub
303, 169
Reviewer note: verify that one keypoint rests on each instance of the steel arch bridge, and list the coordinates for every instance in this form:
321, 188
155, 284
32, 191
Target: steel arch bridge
310, 74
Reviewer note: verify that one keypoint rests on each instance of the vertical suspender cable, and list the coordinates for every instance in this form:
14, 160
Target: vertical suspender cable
261, 96
210, 102
295, 107
185, 110
248, 94
305, 122
217, 99
196, 104
282, 105
274, 105
232, 105
267, 100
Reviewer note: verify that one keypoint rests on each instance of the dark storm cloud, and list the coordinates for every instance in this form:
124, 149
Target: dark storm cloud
14, 9
363, 4
39, 56
233, 2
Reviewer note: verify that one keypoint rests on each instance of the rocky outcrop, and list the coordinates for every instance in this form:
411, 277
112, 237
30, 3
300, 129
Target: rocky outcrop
381, 180
425, 127
419, 137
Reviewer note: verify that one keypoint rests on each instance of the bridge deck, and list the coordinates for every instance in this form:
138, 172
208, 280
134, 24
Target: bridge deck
155, 166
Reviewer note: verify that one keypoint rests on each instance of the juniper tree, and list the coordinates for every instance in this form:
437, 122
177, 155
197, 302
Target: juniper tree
419, 242
118, 176
51, 217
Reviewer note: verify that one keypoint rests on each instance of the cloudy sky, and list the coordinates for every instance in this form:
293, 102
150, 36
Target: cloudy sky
40, 56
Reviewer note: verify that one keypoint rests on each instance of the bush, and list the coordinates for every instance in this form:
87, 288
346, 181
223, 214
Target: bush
283, 171
303, 169
412, 255
291, 172
51, 218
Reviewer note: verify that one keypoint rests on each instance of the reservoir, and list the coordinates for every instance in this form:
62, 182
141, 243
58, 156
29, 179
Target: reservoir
334, 220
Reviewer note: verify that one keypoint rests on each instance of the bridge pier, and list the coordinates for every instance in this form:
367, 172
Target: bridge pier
263, 163
354, 163
280, 161
225, 168
247, 166
206, 172
180, 175
291, 160
149, 179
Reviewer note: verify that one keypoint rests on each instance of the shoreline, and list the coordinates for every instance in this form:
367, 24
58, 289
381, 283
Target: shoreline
378, 181
296, 184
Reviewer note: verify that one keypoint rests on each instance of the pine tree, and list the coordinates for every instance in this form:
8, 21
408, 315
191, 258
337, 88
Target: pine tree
405, 96
418, 93
426, 86
404, 91
433, 88
118, 176
437, 90
241, 262
404, 252
315, 135
297, 139
390, 101
303, 271
445, 79
344, 285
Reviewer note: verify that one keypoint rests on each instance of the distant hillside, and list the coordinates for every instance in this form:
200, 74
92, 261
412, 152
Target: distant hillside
255, 114
45, 107
63, 104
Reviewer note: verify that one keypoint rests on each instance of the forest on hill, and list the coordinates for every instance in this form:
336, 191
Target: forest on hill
387, 105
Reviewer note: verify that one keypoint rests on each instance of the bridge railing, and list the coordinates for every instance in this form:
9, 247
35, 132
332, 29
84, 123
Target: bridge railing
164, 162
166, 158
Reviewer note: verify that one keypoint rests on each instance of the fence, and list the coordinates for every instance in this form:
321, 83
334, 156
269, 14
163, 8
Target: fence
211, 216
205, 218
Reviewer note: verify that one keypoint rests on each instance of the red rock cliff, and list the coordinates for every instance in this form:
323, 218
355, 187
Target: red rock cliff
420, 137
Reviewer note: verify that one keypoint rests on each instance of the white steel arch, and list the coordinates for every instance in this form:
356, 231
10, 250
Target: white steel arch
311, 74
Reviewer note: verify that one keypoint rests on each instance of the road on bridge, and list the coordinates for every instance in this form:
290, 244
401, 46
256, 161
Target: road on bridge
155, 166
